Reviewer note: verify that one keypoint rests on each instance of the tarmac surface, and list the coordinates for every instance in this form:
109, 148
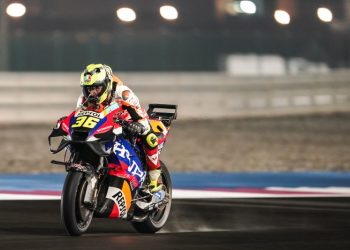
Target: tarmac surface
297, 223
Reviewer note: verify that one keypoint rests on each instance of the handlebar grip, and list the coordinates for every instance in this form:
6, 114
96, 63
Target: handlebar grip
123, 123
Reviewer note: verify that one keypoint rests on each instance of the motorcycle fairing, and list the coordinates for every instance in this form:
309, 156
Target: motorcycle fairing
129, 165
118, 199
104, 124
121, 195
66, 123
120, 170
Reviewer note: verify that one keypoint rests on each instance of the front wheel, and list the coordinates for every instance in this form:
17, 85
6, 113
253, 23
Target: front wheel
156, 219
75, 216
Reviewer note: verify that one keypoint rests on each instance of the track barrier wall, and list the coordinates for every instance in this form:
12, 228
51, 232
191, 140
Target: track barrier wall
33, 97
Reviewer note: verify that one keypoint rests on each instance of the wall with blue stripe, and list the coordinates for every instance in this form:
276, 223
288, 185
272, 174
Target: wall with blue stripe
27, 182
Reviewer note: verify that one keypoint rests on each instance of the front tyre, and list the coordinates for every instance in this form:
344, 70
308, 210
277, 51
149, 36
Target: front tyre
74, 214
157, 218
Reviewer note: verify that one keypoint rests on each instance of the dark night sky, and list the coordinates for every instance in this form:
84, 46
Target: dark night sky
80, 15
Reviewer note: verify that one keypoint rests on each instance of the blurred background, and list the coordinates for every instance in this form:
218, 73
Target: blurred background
262, 85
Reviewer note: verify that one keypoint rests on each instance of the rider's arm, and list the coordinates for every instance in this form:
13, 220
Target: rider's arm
132, 104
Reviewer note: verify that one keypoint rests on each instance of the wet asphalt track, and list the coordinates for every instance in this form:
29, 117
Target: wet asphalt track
303, 223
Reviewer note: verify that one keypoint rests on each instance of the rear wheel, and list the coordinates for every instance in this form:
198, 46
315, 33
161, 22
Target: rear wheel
157, 218
75, 216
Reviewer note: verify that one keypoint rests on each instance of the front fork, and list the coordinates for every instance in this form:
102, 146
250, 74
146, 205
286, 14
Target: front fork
90, 198
92, 189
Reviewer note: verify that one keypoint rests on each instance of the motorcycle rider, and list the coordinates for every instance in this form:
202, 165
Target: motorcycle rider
96, 81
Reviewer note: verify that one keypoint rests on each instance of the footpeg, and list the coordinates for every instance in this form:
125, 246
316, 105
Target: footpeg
158, 199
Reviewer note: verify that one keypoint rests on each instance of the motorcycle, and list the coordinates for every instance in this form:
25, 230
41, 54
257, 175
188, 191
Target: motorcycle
106, 169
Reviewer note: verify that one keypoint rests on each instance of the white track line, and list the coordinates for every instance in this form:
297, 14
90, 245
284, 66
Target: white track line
203, 194
208, 194
28, 197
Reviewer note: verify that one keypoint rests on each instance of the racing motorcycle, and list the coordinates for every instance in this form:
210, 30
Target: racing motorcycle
106, 169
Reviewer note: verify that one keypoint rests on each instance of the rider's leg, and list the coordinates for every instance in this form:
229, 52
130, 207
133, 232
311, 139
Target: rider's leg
150, 146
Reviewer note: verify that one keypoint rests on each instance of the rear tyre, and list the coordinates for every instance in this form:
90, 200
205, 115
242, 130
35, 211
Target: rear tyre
156, 219
74, 214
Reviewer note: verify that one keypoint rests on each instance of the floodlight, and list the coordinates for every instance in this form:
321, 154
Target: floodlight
247, 7
325, 15
126, 14
16, 10
168, 12
282, 17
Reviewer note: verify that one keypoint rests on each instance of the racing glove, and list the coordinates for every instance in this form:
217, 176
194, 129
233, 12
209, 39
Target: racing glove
136, 128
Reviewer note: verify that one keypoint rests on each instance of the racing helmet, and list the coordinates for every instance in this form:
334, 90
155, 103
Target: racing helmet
95, 75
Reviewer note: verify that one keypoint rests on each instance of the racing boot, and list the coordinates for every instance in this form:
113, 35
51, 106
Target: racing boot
154, 185
155, 188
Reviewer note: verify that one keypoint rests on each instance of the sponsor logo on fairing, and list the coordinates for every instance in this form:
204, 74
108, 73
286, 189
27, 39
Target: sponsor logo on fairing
134, 168
116, 195
65, 127
88, 113
105, 129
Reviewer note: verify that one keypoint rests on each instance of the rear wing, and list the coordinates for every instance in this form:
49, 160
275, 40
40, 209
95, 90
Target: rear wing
163, 112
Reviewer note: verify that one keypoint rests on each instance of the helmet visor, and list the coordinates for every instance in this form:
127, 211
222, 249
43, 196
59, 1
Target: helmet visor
94, 92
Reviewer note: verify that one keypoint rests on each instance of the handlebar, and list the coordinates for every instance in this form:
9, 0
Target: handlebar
125, 125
